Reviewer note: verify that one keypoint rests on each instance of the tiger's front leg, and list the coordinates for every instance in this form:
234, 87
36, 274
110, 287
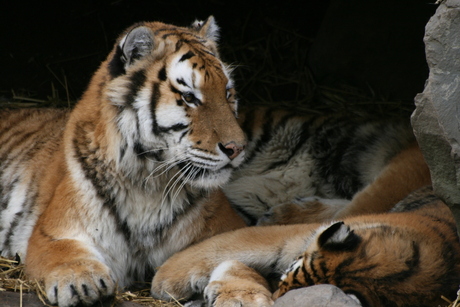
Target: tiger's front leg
62, 254
233, 284
192, 270
71, 273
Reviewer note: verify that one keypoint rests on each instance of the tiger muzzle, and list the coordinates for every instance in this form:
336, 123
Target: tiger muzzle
232, 150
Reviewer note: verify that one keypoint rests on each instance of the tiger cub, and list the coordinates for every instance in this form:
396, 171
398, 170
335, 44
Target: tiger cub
408, 257
310, 168
99, 196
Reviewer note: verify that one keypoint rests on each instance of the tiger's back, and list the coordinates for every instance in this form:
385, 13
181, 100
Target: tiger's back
29, 138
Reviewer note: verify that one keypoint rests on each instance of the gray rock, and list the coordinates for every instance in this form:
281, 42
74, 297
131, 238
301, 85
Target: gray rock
436, 119
30, 299
316, 296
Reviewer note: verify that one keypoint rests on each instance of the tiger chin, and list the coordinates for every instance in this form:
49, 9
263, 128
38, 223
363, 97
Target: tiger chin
408, 257
97, 197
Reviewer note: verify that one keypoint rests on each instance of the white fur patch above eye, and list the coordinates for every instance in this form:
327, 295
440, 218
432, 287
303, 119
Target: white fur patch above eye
184, 78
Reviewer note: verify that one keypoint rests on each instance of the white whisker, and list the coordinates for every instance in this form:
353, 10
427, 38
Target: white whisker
174, 179
190, 175
168, 165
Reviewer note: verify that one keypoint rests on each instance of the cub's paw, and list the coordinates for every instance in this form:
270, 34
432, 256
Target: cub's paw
236, 294
79, 283
281, 215
233, 284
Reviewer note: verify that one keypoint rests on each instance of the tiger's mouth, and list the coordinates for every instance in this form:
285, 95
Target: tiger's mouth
193, 171
205, 177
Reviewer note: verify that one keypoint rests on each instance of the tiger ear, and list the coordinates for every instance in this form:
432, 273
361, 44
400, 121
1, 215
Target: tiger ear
338, 237
207, 29
136, 44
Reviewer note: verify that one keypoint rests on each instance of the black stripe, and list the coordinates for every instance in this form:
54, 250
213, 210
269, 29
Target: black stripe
306, 275
137, 81
248, 218
122, 151
162, 76
175, 90
153, 105
24, 213
324, 271
187, 56
175, 127
11, 230
336, 162
295, 279
311, 265
99, 174
264, 138
116, 65
301, 140
6, 194
143, 152
182, 82
183, 135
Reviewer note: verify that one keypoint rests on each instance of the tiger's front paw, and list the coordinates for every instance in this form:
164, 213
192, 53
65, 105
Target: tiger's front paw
79, 283
173, 283
233, 284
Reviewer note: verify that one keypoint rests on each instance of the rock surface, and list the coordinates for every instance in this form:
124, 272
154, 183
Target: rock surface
436, 119
316, 296
13, 299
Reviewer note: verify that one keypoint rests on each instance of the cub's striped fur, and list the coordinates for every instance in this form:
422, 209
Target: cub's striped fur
108, 191
409, 257
348, 164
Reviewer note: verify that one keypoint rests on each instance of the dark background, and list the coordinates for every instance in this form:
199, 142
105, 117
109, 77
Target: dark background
303, 52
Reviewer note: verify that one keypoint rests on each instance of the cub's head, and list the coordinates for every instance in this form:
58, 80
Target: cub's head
377, 264
175, 100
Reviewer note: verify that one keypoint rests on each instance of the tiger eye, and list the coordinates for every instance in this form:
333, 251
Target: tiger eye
188, 97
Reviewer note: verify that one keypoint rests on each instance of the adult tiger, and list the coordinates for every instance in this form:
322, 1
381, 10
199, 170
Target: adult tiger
408, 257
108, 191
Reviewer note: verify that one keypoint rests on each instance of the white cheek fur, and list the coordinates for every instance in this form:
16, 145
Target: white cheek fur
168, 115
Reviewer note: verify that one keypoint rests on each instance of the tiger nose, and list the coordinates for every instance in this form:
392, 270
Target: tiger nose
231, 149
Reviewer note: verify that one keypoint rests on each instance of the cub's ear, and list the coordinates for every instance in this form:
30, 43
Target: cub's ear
338, 237
207, 29
136, 44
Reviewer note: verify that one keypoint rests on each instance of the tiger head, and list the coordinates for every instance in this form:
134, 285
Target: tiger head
376, 264
175, 100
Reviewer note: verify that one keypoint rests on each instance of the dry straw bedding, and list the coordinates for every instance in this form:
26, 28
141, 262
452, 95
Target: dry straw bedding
12, 278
